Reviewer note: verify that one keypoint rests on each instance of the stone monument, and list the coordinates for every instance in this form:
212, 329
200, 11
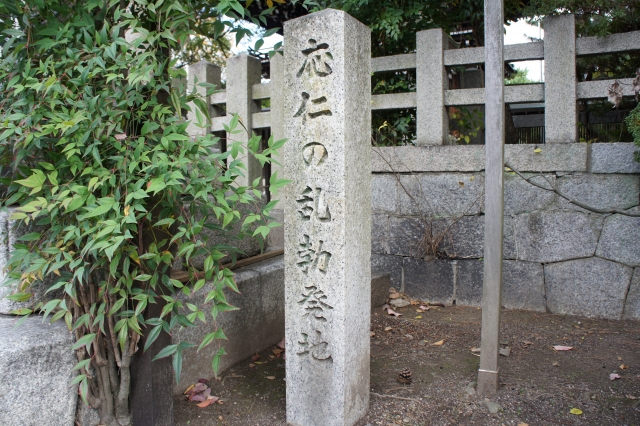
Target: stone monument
327, 218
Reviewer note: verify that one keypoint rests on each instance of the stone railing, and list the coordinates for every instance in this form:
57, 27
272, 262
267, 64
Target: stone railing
435, 52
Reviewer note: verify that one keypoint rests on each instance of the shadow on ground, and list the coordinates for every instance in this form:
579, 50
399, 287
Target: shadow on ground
539, 386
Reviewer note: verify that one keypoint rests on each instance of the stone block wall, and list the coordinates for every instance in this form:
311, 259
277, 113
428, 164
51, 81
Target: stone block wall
428, 226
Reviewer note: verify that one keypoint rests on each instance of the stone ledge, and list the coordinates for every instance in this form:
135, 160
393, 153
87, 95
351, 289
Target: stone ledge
614, 157
35, 370
569, 157
258, 324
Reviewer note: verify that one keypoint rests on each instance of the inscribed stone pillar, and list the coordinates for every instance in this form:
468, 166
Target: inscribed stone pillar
243, 71
560, 86
327, 218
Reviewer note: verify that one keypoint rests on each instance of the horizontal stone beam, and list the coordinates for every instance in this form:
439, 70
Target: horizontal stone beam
219, 98
464, 97
512, 94
623, 42
393, 63
260, 91
598, 89
512, 52
562, 158
218, 123
261, 120
394, 101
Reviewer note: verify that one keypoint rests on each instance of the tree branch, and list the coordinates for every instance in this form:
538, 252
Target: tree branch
571, 200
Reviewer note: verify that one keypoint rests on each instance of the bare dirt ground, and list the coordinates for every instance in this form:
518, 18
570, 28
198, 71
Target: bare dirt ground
539, 385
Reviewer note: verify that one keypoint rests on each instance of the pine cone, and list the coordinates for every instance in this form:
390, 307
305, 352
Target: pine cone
404, 376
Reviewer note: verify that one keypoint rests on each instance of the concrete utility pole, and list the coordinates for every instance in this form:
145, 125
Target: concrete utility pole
488, 374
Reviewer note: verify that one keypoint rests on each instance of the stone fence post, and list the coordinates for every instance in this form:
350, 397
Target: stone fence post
327, 218
431, 82
560, 86
276, 93
243, 71
203, 72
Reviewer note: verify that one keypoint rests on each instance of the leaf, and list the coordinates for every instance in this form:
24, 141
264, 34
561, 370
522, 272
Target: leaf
270, 377
156, 185
438, 343
33, 181
84, 341
392, 312
575, 411
208, 401
562, 348
537, 150
153, 335
167, 351
614, 376
215, 363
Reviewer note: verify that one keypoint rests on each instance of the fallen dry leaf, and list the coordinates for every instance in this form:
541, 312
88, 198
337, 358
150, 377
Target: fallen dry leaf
208, 402
619, 358
385, 306
475, 350
438, 343
189, 389
392, 312
205, 381
414, 302
387, 328
576, 411
631, 397
523, 424
197, 388
251, 365
255, 357
614, 376
281, 344
392, 290
199, 397
556, 364
270, 377
260, 362
623, 367
424, 308
371, 334
120, 137
562, 348
394, 295
419, 317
